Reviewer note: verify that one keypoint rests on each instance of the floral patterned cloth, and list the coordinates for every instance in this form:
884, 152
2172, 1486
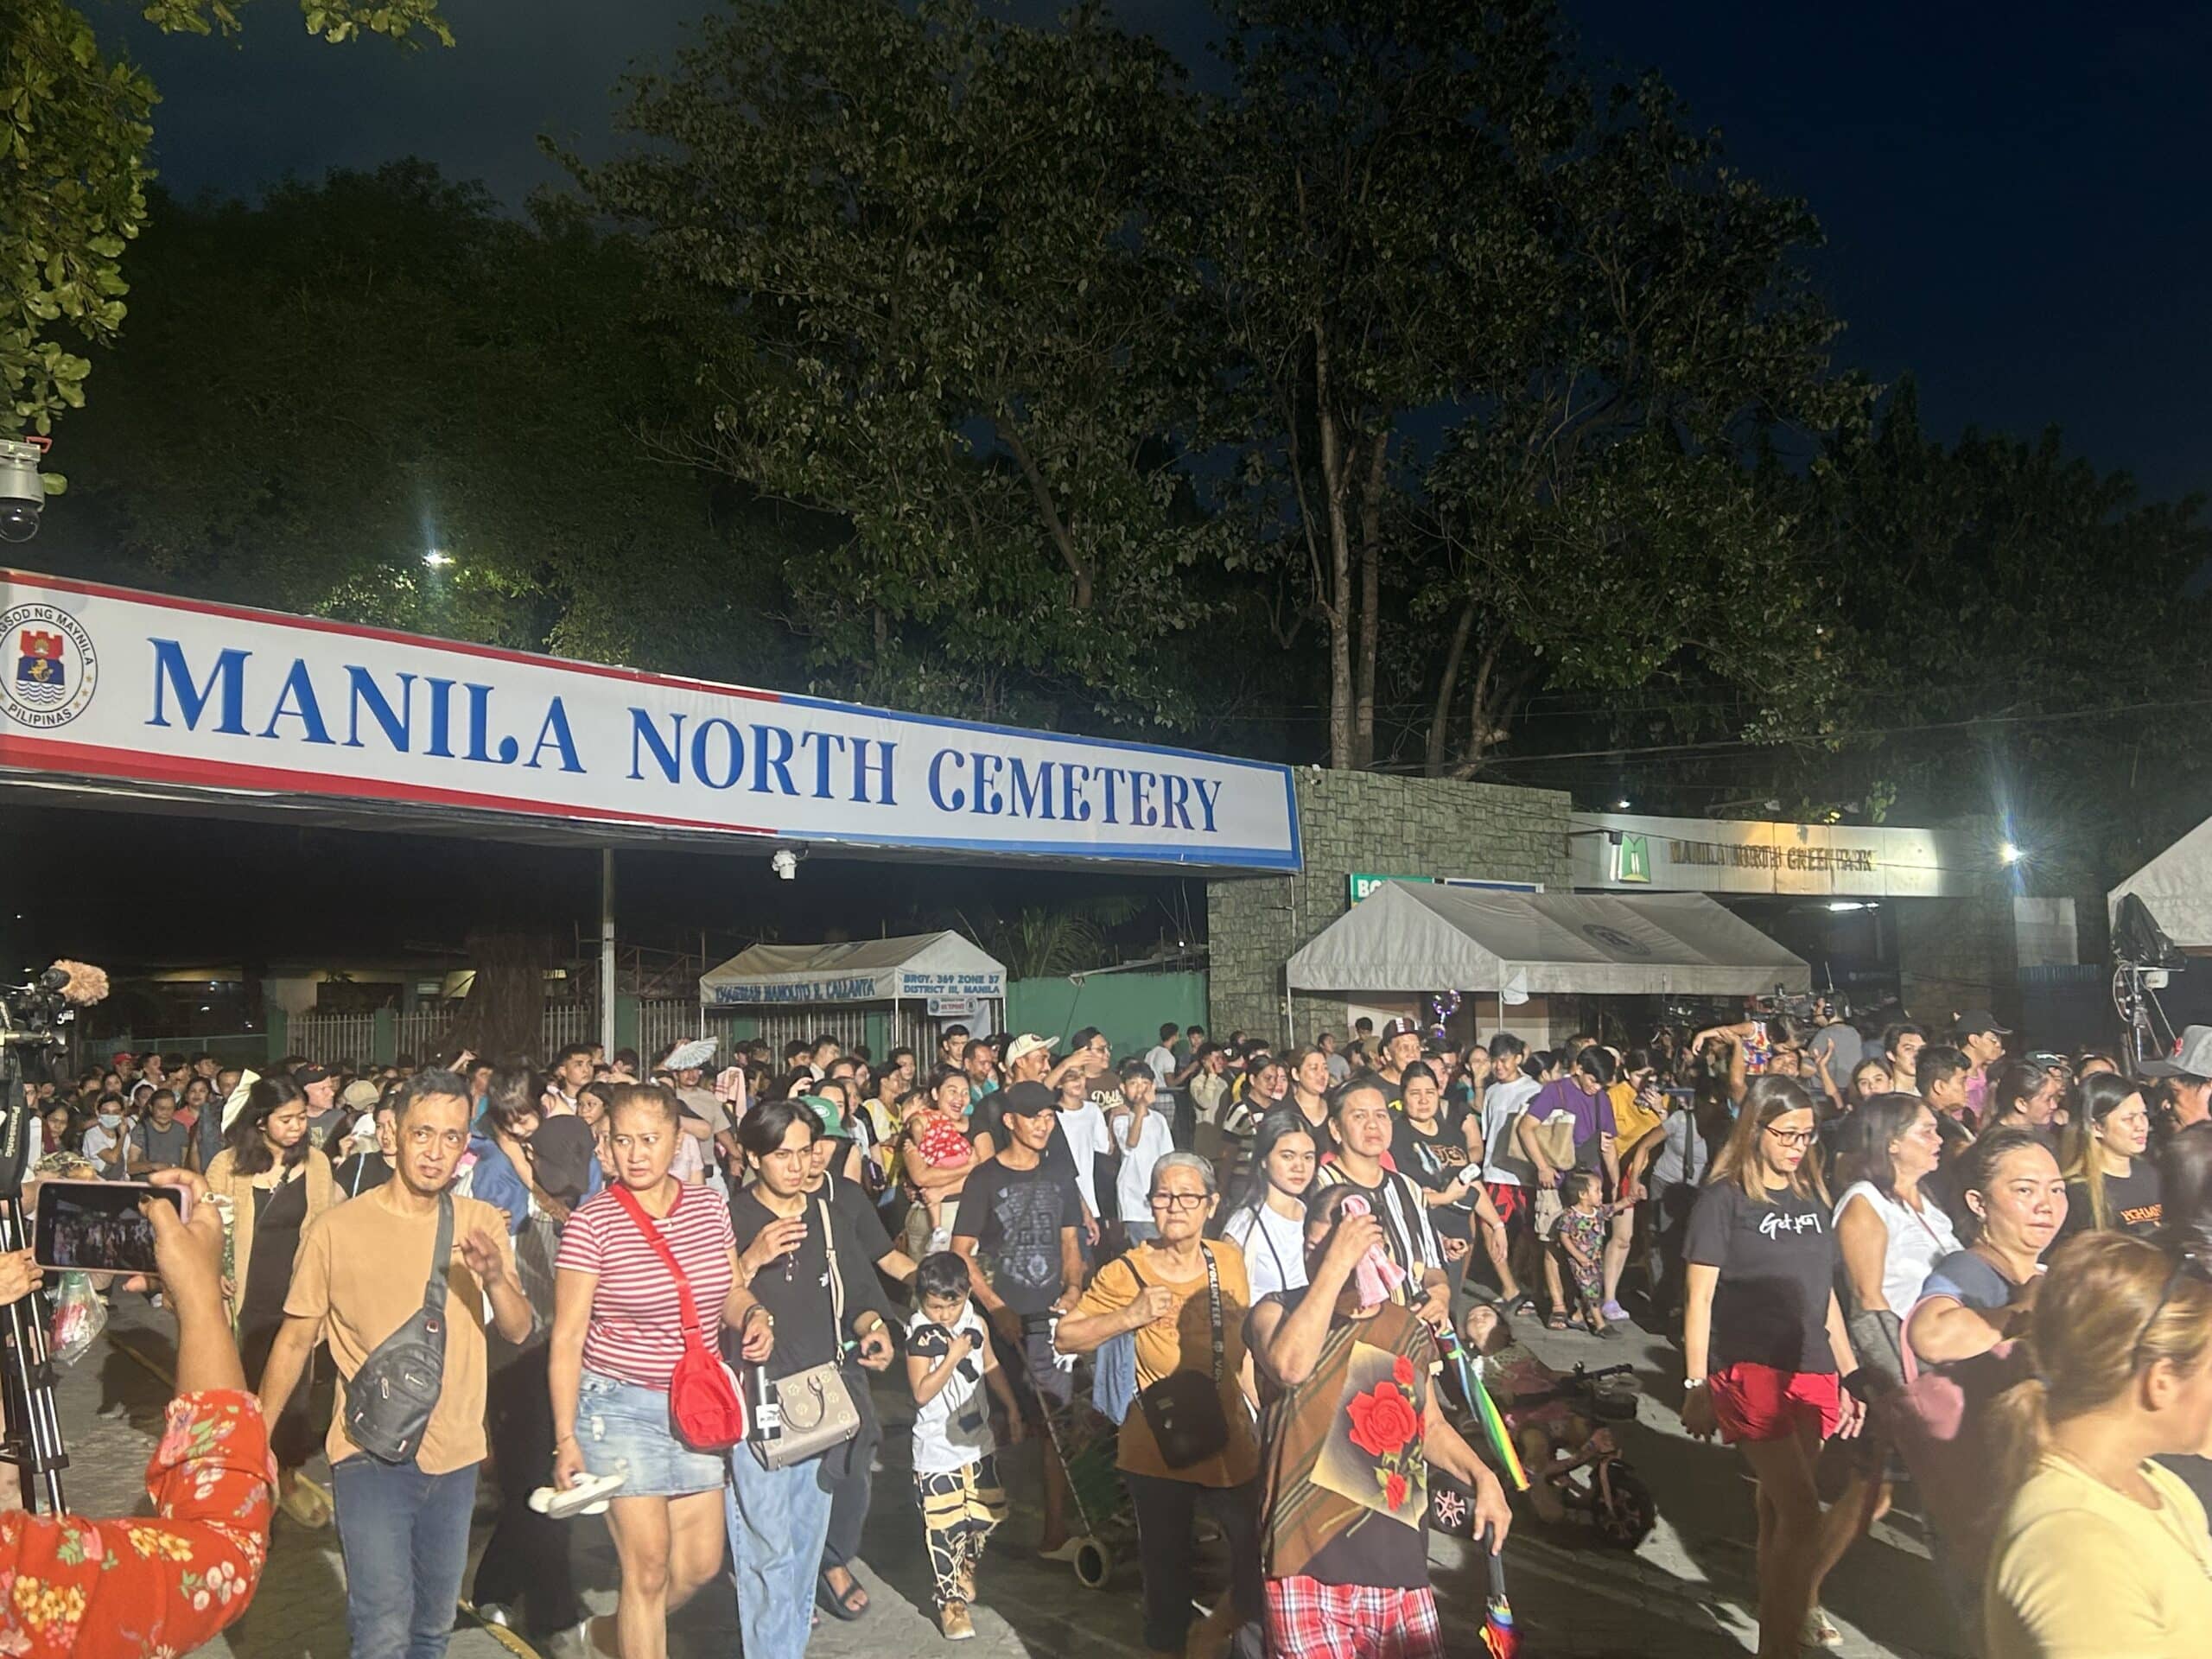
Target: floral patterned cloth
158, 1587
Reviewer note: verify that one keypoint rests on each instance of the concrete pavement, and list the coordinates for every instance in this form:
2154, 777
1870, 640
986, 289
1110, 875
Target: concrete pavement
1684, 1594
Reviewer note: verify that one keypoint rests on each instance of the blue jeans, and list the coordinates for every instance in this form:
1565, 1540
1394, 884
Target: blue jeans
405, 1534
778, 1521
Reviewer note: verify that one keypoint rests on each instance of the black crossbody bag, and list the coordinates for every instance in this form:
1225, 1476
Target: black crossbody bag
389, 1401
1183, 1410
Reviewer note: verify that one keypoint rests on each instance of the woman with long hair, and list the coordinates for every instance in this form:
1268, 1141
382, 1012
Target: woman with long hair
1763, 1347
1268, 1222
618, 1333
2111, 1182
1891, 1235
1309, 1092
275, 1182
2100, 1549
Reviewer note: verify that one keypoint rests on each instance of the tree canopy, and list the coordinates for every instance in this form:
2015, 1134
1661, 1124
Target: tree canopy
74, 130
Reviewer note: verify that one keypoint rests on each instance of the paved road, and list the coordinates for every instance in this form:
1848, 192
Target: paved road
1683, 1596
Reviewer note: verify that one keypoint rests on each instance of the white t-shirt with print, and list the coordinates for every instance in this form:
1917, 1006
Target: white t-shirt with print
953, 1429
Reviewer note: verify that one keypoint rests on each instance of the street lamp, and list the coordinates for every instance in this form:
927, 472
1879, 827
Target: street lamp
436, 559
2008, 854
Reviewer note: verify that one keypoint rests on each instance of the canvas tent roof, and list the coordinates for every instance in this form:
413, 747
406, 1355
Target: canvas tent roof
2176, 887
1408, 937
860, 970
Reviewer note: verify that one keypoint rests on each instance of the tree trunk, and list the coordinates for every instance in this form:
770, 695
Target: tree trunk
1439, 720
1370, 598
1048, 510
1343, 745
503, 1018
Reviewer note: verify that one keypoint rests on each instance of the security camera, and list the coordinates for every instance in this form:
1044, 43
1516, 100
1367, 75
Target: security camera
22, 493
785, 864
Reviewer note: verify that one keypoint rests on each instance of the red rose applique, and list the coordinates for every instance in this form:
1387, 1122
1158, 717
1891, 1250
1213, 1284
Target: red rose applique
1402, 1372
1383, 1420
1393, 1491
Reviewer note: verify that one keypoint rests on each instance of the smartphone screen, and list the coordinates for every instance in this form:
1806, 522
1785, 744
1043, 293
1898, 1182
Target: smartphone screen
95, 1227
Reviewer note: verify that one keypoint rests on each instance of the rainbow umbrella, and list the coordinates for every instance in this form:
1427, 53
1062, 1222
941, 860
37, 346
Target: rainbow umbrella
1493, 1422
1500, 1639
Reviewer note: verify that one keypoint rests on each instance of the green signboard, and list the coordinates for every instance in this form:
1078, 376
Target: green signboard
1363, 882
1632, 859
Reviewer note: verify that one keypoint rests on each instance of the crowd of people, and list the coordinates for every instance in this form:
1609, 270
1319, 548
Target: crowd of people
1910, 1267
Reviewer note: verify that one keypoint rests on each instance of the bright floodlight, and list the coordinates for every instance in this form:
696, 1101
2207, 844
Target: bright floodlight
2009, 854
436, 560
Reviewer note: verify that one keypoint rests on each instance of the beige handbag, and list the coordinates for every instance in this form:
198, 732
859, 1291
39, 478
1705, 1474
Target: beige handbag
815, 1407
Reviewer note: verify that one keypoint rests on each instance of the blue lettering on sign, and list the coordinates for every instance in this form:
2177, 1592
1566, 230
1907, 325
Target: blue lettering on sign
971, 776
226, 678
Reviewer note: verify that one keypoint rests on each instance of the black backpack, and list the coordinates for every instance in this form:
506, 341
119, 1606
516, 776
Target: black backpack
390, 1400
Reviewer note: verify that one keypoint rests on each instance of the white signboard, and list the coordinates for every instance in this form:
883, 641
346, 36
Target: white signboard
1618, 853
105, 683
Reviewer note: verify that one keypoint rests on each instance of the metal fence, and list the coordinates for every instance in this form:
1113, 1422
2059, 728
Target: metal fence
664, 1022
334, 1037
418, 1034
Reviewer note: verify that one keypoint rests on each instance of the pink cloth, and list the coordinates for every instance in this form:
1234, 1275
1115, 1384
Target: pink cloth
1376, 1276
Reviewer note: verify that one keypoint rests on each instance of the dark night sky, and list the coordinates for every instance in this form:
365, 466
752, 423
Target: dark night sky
2013, 209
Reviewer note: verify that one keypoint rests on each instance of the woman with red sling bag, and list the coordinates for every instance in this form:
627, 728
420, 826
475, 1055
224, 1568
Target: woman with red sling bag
632, 1373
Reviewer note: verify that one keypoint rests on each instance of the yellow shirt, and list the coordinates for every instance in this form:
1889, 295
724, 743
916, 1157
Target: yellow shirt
1630, 1121
1184, 1342
2079, 1572
361, 1270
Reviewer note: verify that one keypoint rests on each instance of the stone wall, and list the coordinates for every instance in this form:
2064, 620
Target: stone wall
1355, 821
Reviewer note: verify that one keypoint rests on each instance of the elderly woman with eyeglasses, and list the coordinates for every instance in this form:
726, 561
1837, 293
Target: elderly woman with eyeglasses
1188, 1440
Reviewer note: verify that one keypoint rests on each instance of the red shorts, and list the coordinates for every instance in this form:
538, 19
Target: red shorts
1307, 1619
1759, 1402
1507, 1201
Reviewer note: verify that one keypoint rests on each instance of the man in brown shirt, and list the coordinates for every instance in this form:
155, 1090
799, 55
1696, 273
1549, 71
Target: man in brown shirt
404, 1527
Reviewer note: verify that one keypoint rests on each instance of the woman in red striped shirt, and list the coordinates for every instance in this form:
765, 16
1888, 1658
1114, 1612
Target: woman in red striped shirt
617, 1335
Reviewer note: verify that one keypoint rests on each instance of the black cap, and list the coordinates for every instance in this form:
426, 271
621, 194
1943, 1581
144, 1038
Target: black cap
307, 1075
1027, 1100
562, 1149
1978, 1022
1400, 1027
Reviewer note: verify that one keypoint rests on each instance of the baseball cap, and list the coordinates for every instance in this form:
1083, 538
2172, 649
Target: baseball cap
307, 1075
1978, 1022
360, 1095
561, 1150
1400, 1027
121, 1057
1026, 1045
832, 1115
2192, 1056
1027, 1100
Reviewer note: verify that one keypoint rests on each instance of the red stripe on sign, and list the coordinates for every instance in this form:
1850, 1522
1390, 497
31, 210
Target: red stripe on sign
389, 636
39, 754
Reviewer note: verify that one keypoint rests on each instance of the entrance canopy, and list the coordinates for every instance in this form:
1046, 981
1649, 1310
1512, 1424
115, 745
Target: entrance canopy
2176, 887
917, 967
1404, 937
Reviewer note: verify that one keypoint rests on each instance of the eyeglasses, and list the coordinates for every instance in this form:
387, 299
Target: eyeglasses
1791, 1137
1182, 1201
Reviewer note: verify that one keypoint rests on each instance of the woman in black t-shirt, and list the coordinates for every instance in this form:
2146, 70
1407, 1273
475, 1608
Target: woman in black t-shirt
1429, 1145
1764, 1344
2111, 1183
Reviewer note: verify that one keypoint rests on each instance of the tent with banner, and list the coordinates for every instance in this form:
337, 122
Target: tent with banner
885, 993
1409, 937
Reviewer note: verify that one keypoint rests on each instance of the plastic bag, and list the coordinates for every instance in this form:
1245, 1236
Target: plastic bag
79, 1316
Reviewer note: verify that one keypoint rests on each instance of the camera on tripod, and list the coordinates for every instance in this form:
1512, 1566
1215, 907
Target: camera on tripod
32, 1015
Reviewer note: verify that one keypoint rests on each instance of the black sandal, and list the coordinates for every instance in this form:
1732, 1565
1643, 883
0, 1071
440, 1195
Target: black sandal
1557, 1322
837, 1607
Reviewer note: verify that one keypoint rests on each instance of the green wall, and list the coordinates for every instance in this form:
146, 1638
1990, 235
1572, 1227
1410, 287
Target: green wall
1130, 1008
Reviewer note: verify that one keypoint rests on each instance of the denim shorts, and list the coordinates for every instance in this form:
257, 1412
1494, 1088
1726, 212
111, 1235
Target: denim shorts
623, 1429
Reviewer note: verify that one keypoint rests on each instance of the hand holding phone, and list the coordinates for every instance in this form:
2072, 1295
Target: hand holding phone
99, 1227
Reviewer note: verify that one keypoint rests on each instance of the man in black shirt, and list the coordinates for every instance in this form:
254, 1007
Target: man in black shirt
1025, 1210
365, 1171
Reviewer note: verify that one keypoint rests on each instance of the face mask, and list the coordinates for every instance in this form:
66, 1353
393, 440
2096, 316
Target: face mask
108, 1120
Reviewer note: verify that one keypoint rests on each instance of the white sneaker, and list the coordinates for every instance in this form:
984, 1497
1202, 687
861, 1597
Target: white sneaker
588, 1495
1820, 1631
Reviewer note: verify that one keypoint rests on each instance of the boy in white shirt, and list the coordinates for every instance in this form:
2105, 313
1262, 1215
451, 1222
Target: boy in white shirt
1142, 1135
949, 1365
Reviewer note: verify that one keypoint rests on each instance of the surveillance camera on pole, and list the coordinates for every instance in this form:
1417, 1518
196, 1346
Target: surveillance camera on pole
22, 491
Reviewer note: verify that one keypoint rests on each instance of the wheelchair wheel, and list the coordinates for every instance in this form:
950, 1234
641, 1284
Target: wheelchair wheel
1094, 1564
1624, 1509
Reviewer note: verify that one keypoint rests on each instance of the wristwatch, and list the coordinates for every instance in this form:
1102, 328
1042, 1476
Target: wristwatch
1691, 1383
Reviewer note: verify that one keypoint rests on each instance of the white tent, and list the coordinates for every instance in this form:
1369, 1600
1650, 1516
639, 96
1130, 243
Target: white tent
2176, 887
1408, 937
911, 969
